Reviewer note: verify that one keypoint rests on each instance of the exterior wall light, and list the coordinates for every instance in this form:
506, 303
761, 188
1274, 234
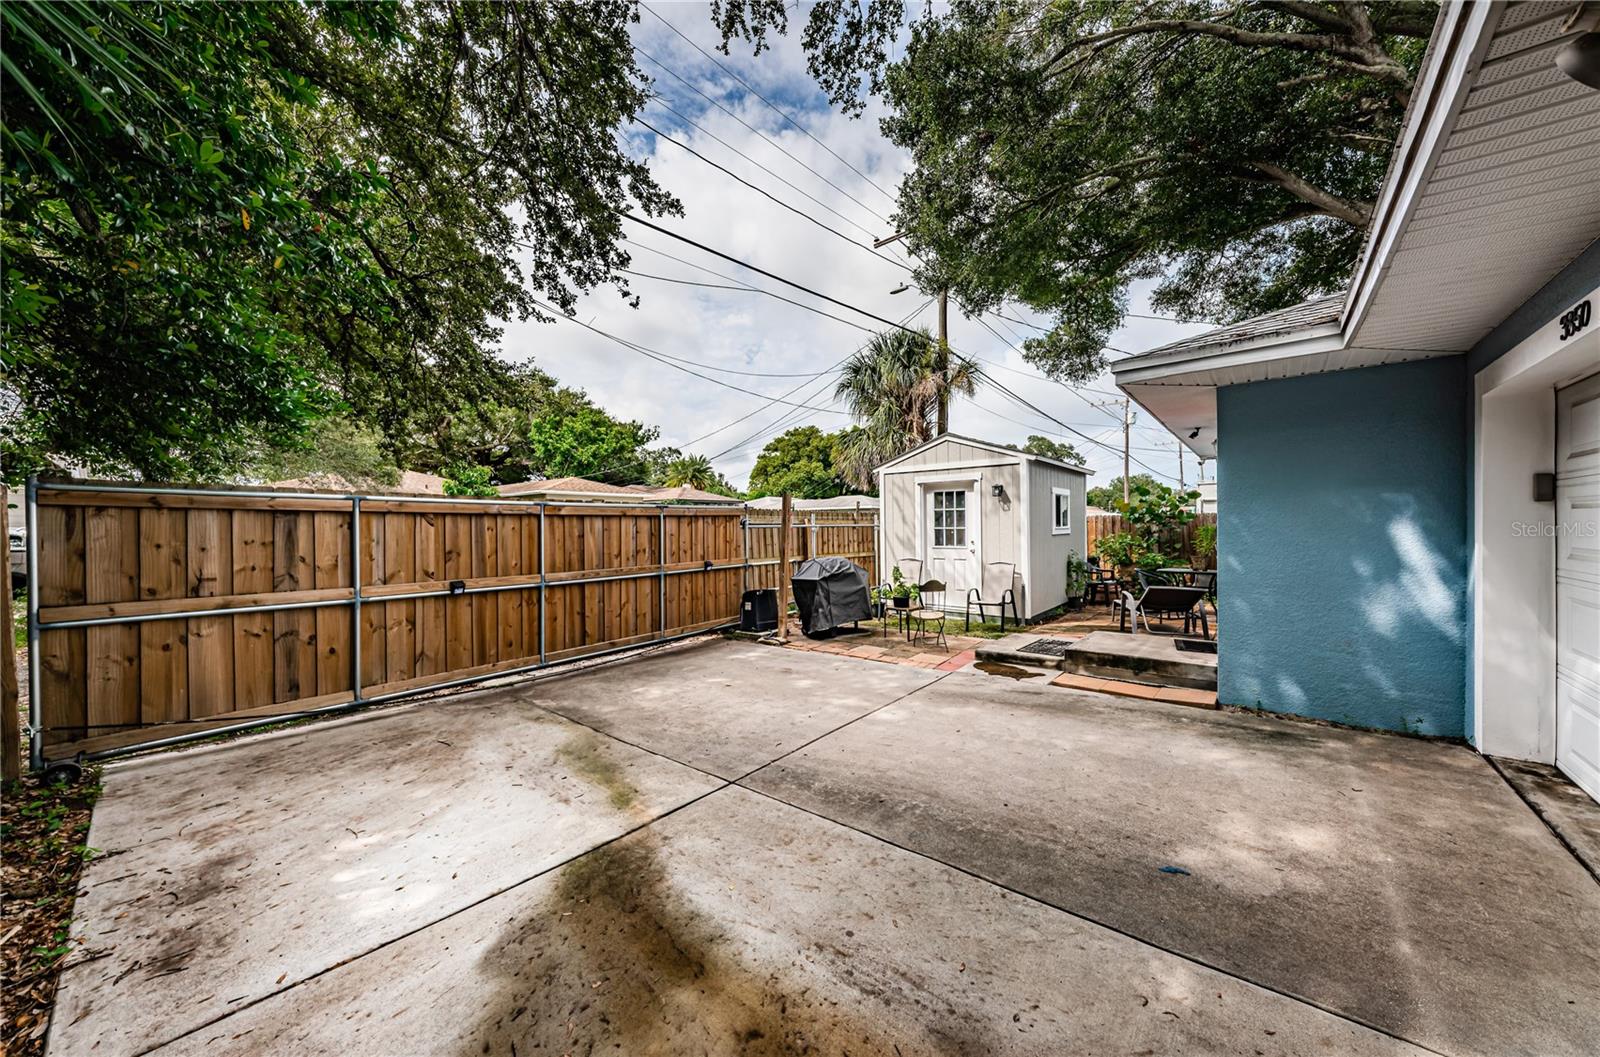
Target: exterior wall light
998, 491
1580, 59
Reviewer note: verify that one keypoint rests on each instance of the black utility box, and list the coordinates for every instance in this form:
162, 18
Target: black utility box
759, 611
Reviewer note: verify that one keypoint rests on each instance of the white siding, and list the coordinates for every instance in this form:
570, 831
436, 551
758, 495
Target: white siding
1001, 518
1047, 557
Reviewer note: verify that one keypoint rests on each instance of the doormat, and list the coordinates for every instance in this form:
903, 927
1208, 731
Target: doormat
1048, 647
1196, 645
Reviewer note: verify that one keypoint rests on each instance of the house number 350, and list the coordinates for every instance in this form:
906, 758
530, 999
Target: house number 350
1575, 320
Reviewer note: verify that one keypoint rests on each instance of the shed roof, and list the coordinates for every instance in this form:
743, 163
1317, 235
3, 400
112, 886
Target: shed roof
998, 449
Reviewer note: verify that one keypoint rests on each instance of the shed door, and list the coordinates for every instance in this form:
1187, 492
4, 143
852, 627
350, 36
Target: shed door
950, 539
1578, 583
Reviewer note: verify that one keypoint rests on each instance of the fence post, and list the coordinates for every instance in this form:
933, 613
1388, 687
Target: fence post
355, 596
661, 577
783, 569
811, 536
541, 583
10, 763
35, 703
744, 574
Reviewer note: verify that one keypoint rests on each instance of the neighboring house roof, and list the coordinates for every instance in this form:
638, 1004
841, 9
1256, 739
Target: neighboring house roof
1489, 195
838, 502
411, 483
566, 486
583, 488
685, 494
998, 449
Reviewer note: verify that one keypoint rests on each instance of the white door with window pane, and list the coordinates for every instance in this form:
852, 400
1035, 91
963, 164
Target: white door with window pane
950, 540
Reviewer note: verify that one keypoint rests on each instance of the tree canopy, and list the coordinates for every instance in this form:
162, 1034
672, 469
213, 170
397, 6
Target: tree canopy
1058, 450
1064, 150
224, 221
800, 461
1108, 496
892, 387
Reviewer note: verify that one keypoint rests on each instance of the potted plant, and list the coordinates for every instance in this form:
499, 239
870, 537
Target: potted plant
1118, 549
902, 591
878, 594
1077, 580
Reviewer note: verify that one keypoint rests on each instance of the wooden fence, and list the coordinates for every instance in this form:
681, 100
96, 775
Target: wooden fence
1101, 525
849, 534
162, 612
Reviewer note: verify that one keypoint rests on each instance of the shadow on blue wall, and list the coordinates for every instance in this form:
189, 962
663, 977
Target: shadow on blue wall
1342, 542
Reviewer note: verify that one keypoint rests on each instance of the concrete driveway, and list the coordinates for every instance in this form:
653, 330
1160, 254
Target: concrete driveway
731, 849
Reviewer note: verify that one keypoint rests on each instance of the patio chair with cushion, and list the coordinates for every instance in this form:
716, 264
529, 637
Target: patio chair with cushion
995, 593
930, 615
1162, 600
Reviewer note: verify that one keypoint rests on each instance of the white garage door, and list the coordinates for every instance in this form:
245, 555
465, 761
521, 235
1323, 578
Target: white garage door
1578, 583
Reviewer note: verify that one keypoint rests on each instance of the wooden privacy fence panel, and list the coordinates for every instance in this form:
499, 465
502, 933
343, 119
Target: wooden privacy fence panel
1101, 525
164, 611
849, 534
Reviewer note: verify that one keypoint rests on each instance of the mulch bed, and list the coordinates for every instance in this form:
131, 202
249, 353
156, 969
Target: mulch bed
43, 834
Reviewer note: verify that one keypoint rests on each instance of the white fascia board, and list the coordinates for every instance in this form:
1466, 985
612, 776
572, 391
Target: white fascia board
940, 467
1462, 38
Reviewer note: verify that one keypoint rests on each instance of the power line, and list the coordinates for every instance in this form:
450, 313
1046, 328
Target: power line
788, 415
774, 143
773, 106
661, 357
761, 271
769, 196
742, 286
661, 102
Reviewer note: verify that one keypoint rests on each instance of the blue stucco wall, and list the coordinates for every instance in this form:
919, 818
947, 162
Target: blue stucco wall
1342, 546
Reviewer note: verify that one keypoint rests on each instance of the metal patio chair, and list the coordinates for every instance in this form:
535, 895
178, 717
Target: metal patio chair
930, 612
1102, 582
995, 593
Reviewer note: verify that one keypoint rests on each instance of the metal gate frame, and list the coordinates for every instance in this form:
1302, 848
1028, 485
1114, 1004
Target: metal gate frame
35, 728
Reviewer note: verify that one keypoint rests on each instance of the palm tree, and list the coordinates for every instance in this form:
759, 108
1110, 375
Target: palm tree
693, 471
892, 387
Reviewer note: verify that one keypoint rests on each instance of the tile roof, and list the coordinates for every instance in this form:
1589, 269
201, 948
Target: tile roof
566, 484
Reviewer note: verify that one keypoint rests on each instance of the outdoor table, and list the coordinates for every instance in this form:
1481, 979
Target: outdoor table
1183, 575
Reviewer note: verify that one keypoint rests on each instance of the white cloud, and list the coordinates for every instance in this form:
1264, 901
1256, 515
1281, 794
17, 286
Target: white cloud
752, 332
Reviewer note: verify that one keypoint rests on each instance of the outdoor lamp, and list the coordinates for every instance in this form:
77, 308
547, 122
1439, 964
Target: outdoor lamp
998, 491
1580, 59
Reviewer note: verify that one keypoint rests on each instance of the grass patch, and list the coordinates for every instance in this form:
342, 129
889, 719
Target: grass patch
953, 625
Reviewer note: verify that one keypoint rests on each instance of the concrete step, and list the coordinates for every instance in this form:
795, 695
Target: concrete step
1146, 659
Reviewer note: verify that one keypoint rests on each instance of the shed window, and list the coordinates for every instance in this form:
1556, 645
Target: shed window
1061, 498
950, 518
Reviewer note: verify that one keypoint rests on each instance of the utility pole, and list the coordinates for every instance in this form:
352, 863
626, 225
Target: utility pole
1181, 486
942, 355
1127, 430
942, 362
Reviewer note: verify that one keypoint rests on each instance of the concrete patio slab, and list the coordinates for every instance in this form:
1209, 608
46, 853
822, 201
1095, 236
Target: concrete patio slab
1395, 880
962, 863
726, 707
238, 870
741, 926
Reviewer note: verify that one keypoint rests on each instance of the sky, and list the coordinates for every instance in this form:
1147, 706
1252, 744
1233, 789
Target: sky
749, 348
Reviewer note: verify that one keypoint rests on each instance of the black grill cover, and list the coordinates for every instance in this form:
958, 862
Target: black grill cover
830, 593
